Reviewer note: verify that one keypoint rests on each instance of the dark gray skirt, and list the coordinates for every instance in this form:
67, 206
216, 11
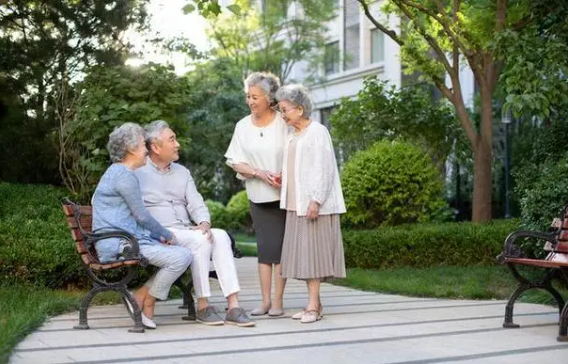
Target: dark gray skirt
269, 222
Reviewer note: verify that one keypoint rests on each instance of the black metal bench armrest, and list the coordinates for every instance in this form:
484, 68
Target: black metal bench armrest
511, 250
131, 252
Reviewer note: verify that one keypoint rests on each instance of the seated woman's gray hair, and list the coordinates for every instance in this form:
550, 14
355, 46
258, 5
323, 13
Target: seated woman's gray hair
297, 95
122, 139
267, 82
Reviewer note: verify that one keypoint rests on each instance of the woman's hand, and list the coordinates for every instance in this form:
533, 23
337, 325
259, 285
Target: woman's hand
313, 210
172, 241
268, 177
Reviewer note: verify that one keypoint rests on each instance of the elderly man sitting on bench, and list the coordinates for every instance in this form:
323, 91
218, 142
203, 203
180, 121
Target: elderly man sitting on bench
170, 194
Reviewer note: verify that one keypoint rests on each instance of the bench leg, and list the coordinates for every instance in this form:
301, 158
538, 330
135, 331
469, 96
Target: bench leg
84, 307
136, 313
191, 314
508, 323
563, 329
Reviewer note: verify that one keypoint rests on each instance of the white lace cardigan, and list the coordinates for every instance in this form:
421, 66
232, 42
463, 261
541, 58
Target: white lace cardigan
316, 173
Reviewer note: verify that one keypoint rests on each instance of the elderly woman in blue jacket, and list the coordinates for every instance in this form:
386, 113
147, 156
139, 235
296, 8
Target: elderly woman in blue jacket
311, 195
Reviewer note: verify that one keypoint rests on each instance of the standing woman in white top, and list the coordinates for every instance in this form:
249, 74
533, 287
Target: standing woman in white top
255, 153
311, 194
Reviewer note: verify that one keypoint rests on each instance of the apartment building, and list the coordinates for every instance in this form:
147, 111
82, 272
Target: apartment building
356, 50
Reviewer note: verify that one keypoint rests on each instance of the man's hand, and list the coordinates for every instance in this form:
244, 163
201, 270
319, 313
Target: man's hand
556, 223
313, 210
205, 228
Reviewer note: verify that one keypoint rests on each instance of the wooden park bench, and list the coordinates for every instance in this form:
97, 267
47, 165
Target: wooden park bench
553, 266
79, 220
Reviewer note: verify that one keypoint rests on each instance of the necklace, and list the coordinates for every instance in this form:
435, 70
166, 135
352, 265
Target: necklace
255, 119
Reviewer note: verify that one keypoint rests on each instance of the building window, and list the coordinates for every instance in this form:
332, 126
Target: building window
325, 115
331, 58
377, 46
351, 24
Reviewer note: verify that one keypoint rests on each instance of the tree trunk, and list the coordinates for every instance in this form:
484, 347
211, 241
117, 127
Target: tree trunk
482, 181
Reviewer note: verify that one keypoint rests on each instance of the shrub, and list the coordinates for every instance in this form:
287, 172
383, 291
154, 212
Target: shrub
239, 211
543, 195
426, 245
36, 244
391, 183
220, 217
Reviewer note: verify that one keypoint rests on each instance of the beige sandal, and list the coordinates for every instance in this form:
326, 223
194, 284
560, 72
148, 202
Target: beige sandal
298, 315
311, 316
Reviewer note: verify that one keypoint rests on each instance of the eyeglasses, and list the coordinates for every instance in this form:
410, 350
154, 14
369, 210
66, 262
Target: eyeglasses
285, 111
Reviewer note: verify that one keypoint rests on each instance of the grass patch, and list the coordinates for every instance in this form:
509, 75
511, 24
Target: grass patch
473, 282
248, 249
243, 237
24, 309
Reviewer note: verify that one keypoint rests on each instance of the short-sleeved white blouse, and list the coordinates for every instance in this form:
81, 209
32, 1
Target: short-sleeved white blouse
260, 148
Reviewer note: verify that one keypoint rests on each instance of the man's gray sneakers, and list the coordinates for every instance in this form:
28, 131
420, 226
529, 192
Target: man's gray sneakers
237, 316
209, 316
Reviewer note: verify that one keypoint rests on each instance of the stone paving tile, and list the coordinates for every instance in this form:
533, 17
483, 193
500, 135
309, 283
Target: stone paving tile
358, 327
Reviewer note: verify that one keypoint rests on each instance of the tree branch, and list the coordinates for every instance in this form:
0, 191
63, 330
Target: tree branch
500, 15
391, 33
442, 21
431, 41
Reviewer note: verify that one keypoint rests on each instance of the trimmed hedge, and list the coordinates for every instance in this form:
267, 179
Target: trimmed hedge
35, 243
426, 245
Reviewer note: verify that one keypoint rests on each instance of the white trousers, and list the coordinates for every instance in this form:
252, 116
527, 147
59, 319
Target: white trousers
204, 252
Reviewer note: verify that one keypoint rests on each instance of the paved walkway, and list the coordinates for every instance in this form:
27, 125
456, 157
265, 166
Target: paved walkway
358, 327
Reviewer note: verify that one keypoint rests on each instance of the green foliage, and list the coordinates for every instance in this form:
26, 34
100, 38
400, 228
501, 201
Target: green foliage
46, 45
267, 39
391, 183
110, 96
220, 218
544, 193
213, 110
426, 245
539, 169
382, 112
36, 243
239, 210
535, 74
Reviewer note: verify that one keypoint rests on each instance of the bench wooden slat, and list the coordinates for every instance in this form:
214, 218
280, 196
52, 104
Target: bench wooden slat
536, 262
85, 210
86, 223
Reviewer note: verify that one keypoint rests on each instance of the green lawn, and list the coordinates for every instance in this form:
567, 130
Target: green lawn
24, 309
474, 282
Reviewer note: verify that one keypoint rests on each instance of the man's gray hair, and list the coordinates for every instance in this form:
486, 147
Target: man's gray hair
123, 139
297, 95
153, 130
267, 82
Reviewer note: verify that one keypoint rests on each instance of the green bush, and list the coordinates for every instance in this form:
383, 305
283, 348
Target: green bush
426, 245
239, 212
544, 194
36, 246
391, 183
220, 217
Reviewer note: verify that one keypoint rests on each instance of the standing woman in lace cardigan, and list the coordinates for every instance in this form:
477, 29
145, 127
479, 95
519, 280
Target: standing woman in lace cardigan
311, 195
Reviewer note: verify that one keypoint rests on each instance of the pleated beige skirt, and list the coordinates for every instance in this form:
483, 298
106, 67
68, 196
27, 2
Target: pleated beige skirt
312, 249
